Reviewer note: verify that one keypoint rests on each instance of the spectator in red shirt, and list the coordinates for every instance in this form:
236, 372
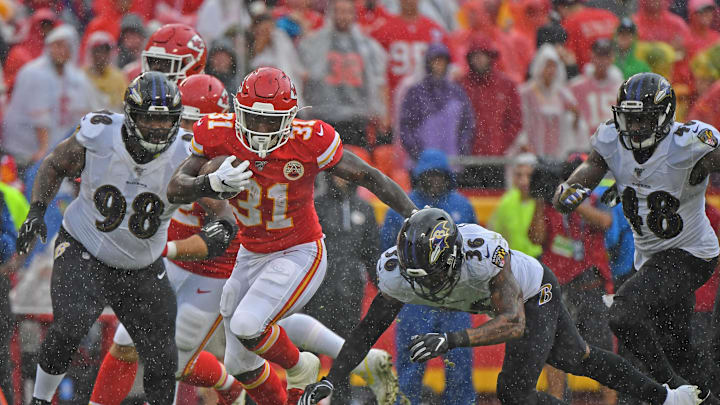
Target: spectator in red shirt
702, 35
371, 15
584, 26
31, 47
406, 37
481, 15
494, 98
656, 23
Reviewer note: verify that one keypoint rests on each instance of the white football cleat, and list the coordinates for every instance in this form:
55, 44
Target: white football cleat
305, 372
682, 395
376, 370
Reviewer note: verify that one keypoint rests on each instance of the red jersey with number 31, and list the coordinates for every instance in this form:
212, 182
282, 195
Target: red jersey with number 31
277, 211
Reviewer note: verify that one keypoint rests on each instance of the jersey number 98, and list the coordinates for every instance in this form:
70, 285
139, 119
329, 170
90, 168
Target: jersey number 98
143, 222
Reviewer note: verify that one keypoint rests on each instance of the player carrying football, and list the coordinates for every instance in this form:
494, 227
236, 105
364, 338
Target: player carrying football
661, 170
282, 259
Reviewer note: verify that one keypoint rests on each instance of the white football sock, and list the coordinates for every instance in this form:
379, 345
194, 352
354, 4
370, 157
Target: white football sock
46, 384
311, 335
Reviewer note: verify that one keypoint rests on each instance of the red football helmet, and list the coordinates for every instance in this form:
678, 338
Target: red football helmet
265, 105
201, 95
176, 50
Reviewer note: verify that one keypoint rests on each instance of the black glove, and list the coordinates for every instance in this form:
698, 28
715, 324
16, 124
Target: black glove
611, 197
424, 347
217, 235
33, 226
315, 392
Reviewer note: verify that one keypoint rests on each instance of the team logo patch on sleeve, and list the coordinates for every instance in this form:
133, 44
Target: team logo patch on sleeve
708, 138
498, 257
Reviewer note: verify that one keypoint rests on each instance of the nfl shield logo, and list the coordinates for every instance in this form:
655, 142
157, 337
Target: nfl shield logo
638, 171
260, 164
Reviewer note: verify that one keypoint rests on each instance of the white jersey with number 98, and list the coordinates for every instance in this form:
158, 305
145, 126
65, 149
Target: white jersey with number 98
121, 214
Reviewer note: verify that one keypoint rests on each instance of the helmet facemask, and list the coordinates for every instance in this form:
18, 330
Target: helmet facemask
436, 283
154, 130
261, 129
640, 127
175, 67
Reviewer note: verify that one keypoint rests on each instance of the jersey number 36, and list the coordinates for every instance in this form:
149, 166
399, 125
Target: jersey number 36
143, 222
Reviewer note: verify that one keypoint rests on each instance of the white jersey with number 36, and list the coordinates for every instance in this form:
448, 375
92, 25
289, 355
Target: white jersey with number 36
484, 253
663, 208
121, 214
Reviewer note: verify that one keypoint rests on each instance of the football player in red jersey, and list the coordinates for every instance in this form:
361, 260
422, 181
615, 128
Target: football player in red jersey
282, 261
176, 50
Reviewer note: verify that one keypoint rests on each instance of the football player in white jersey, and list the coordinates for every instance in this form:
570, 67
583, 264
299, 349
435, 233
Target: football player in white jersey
109, 247
469, 268
661, 170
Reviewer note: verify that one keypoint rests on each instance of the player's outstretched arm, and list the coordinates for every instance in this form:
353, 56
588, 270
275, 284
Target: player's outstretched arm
355, 170
380, 316
570, 194
185, 184
66, 160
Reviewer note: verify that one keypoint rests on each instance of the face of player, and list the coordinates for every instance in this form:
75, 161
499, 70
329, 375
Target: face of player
262, 123
521, 179
155, 127
160, 65
343, 14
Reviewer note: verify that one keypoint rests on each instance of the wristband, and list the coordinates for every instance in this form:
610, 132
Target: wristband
202, 187
170, 250
458, 339
38, 207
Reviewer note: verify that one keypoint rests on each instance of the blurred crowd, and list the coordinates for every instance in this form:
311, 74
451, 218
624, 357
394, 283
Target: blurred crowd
482, 78
439, 94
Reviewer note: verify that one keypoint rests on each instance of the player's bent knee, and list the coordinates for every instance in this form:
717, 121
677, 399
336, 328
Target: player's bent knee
191, 326
247, 326
127, 354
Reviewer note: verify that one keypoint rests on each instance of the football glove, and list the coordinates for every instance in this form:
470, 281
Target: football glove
33, 227
217, 235
611, 197
316, 392
573, 195
424, 347
229, 179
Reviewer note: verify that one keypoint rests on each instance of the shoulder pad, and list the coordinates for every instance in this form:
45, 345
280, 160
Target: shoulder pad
605, 139
95, 125
208, 134
696, 134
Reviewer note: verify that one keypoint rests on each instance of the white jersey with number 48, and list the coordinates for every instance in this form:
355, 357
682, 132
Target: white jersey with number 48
663, 208
121, 214
484, 253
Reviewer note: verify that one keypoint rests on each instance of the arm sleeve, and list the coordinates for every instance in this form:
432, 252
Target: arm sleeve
327, 147
371, 243
379, 317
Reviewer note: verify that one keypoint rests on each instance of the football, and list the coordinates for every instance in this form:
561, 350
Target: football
212, 165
